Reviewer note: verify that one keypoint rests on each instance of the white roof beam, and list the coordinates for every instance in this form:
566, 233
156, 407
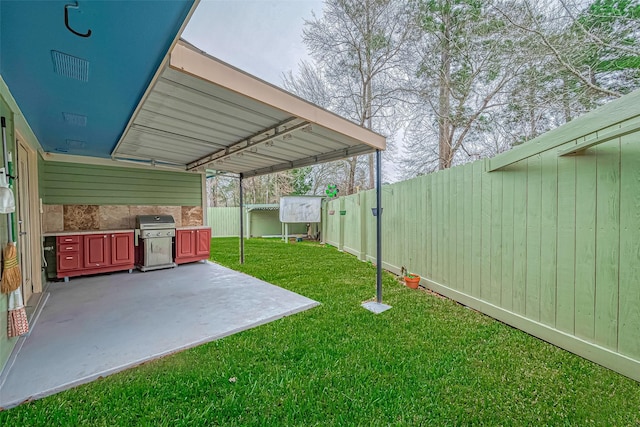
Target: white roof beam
281, 129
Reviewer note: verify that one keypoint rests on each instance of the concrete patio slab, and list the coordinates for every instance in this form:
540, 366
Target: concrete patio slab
95, 326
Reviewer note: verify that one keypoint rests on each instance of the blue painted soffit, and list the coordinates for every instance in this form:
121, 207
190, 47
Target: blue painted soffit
83, 107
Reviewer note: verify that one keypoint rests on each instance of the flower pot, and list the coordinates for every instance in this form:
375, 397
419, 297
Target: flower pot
412, 281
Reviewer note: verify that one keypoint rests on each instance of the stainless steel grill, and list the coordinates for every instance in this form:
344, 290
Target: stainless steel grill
155, 235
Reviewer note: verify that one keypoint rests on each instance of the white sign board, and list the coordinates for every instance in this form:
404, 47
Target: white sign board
300, 209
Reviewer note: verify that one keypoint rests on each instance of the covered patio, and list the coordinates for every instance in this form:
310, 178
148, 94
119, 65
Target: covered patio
185, 111
95, 326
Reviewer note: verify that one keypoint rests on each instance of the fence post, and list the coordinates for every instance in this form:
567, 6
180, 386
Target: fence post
362, 201
324, 225
341, 223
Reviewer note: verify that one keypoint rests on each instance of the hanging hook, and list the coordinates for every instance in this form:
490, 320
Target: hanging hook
66, 20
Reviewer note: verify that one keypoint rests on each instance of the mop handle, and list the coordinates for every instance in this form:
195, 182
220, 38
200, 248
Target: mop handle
3, 122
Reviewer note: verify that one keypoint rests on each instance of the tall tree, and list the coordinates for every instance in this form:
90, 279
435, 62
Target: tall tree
467, 59
357, 44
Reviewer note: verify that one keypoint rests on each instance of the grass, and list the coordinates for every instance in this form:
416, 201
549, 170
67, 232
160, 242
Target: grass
427, 361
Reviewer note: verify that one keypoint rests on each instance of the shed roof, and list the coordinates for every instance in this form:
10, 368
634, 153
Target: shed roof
203, 113
263, 207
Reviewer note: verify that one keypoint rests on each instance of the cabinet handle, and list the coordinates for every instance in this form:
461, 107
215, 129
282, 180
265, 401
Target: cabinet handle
191, 231
69, 257
104, 237
113, 235
69, 247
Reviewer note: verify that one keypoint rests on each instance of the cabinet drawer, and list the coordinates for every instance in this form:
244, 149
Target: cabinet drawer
70, 261
61, 240
68, 247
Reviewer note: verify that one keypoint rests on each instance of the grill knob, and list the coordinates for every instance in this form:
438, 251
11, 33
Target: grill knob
158, 234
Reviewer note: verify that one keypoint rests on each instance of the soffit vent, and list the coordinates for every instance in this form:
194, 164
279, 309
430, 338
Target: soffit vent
75, 119
70, 66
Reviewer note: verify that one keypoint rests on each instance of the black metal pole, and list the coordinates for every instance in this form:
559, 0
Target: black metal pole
241, 224
379, 227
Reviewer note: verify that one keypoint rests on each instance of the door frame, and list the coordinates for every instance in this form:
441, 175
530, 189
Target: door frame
34, 228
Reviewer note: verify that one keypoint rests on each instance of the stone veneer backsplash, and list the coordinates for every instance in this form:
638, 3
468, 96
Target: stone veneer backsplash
112, 217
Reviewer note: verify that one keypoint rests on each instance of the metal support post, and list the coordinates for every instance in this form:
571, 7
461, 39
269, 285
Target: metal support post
378, 228
241, 223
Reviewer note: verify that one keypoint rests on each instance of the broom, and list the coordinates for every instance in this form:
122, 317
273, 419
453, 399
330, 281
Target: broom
11, 278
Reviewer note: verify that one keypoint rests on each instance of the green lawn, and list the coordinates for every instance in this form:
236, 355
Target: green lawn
427, 361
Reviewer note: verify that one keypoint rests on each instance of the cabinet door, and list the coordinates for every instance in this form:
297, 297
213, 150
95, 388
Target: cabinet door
96, 250
185, 243
122, 248
203, 241
69, 262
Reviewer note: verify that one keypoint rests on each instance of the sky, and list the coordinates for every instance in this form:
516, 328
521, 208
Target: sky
261, 37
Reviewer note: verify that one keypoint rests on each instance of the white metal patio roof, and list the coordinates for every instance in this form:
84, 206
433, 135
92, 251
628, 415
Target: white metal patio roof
202, 113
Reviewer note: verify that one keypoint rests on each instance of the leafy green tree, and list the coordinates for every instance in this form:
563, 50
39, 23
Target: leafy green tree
467, 58
301, 181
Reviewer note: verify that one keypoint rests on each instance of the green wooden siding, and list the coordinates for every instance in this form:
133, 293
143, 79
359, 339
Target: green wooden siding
78, 184
547, 243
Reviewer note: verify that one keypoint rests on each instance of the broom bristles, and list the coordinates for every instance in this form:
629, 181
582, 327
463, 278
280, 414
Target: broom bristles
11, 277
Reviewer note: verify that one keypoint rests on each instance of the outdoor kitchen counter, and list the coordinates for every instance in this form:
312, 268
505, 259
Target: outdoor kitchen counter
193, 227
80, 232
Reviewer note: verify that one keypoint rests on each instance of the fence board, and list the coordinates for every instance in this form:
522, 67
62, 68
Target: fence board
460, 221
629, 297
534, 225
476, 260
548, 237
506, 238
485, 259
585, 244
437, 229
445, 180
467, 227
607, 243
566, 259
520, 183
496, 239
428, 237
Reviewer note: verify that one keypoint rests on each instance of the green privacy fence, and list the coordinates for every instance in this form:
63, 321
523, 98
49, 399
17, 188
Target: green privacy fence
225, 222
539, 237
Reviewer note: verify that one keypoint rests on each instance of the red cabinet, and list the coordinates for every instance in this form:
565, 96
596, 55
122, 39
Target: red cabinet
83, 254
192, 245
122, 251
96, 250
203, 242
185, 243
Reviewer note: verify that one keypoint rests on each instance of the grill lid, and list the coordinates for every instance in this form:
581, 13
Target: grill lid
145, 222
